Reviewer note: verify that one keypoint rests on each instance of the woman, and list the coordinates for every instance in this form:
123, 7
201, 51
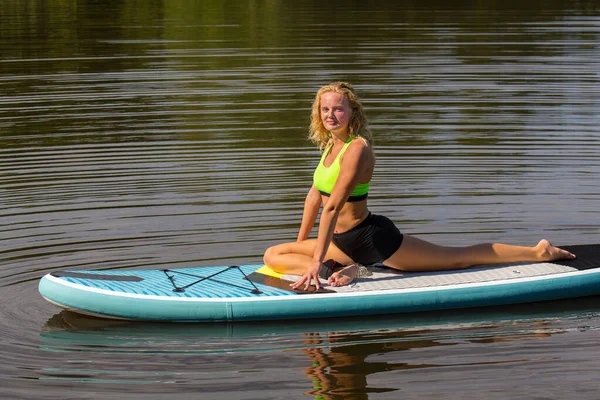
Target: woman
348, 232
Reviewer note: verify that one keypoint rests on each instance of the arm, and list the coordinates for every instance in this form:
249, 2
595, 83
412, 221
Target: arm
353, 163
312, 204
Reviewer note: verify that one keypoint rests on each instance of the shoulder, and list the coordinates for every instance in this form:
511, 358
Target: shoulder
359, 152
360, 147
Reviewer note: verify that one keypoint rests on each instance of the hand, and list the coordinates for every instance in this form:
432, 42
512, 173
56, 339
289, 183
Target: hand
312, 273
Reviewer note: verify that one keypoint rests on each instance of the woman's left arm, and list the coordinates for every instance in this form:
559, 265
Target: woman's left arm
353, 163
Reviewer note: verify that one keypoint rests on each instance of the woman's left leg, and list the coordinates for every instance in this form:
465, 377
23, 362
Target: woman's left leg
419, 255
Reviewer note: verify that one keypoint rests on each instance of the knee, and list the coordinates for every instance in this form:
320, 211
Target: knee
269, 255
460, 264
462, 259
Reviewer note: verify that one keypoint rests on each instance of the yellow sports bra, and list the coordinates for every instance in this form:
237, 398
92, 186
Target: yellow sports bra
325, 177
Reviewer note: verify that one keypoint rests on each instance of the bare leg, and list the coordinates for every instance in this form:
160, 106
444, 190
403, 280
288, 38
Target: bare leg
413, 255
418, 255
294, 257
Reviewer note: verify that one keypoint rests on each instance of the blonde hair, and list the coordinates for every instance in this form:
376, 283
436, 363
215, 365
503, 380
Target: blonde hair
358, 123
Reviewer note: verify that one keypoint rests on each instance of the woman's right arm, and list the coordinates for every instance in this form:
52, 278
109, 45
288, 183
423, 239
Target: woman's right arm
312, 204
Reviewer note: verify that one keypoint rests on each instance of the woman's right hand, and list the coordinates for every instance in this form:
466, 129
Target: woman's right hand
311, 274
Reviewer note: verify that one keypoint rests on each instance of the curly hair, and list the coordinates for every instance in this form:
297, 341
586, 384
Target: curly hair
357, 127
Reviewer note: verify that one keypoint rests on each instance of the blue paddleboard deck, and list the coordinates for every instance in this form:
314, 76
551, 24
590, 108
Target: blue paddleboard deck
254, 292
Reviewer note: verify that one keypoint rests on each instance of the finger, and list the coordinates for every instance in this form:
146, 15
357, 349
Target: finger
298, 283
302, 281
307, 283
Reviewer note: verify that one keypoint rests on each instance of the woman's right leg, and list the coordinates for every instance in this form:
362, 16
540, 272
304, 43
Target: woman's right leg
294, 257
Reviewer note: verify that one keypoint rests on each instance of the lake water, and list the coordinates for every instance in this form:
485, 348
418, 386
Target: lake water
152, 134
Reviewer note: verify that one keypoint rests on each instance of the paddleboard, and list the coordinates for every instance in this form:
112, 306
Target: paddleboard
255, 292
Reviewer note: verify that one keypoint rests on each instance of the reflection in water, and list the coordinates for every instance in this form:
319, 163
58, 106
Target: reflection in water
342, 358
341, 371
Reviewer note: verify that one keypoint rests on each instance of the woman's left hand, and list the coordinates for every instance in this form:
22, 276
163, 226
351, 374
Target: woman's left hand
311, 274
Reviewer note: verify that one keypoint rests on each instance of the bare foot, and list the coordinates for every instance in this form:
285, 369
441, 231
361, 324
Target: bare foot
548, 252
343, 276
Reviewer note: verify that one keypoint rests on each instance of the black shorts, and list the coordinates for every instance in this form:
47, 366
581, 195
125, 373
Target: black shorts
372, 241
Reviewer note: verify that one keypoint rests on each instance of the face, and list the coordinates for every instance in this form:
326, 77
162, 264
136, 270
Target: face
335, 112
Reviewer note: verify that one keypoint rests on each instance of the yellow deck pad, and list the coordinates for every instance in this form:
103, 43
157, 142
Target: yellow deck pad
269, 272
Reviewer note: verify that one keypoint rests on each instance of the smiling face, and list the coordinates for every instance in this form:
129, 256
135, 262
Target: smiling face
336, 112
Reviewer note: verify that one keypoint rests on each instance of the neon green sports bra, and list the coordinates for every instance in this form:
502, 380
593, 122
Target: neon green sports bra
325, 177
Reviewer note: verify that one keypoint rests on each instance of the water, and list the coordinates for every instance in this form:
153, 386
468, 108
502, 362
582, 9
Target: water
137, 135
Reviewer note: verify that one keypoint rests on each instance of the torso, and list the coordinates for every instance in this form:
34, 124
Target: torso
352, 213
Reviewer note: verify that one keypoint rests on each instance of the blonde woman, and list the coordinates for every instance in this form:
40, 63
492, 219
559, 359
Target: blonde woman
348, 232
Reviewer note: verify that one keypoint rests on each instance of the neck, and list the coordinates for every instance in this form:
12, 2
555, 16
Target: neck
340, 137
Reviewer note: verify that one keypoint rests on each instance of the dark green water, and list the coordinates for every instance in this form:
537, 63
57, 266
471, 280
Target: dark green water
143, 134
